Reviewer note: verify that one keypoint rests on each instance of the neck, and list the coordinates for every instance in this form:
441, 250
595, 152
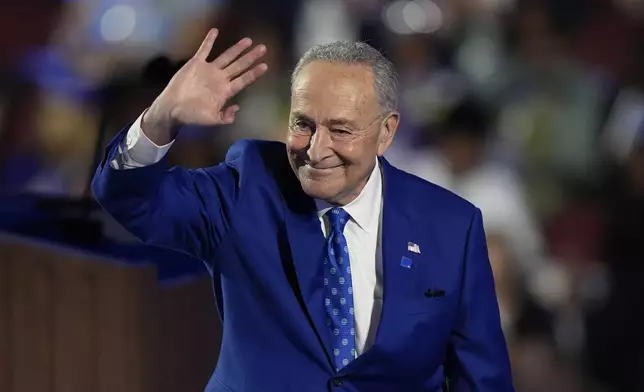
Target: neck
346, 198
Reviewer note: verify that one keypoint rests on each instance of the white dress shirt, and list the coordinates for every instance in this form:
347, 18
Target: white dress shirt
363, 238
362, 232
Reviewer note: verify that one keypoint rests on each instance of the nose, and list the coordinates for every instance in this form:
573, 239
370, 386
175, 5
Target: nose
319, 146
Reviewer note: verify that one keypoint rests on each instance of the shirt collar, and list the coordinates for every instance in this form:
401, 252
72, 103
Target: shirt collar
364, 209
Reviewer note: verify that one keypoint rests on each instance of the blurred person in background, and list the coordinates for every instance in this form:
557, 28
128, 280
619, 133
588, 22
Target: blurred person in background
616, 341
476, 36
49, 137
462, 163
66, 114
550, 104
521, 316
429, 88
19, 157
605, 40
538, 367
67, 130
537, 364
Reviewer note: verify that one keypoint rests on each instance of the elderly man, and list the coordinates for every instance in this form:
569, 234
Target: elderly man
332, 269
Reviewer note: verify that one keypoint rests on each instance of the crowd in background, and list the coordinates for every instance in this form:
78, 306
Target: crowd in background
531, 109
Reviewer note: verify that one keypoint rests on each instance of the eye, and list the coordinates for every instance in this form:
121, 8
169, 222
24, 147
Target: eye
302, 125
339, 131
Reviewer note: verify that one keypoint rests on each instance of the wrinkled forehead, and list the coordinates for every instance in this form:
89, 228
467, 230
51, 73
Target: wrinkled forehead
323, 90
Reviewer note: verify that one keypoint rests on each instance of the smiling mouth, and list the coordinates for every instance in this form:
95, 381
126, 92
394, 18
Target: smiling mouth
321, 170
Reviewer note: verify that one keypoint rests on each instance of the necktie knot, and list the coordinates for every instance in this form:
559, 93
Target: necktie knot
338, 218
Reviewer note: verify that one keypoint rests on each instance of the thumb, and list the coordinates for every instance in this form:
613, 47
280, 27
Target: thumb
229, 114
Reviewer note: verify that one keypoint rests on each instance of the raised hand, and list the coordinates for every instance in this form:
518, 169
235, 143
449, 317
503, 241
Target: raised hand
198, 92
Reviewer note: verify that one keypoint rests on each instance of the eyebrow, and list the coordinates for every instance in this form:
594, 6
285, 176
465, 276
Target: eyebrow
330, 122
343, 121
302, 116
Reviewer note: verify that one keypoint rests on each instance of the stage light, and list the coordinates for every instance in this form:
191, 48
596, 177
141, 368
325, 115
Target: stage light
117, 23
412, 17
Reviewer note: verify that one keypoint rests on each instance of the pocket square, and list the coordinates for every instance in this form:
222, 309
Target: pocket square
434, 293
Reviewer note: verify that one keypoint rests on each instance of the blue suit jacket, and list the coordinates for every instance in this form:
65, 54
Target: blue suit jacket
259, 234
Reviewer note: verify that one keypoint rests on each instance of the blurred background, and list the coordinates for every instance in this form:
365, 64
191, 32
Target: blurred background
531, 109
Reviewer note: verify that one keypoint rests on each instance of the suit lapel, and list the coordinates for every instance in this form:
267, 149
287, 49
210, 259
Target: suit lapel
393, 242
307, 246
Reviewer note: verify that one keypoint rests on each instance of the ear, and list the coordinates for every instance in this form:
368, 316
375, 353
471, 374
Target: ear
387, 132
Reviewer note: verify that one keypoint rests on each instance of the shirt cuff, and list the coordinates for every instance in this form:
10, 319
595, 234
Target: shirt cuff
137, 150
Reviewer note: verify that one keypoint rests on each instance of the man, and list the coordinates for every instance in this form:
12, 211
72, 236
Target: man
332, 269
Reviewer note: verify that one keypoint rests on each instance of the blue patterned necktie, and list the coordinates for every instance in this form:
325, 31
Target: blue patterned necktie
338, 298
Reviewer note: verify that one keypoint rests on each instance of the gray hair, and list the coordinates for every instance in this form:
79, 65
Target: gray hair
358, 53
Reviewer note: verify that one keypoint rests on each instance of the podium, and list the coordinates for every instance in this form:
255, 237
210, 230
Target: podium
77, 321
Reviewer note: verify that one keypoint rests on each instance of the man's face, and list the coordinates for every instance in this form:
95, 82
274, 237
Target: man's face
336, 130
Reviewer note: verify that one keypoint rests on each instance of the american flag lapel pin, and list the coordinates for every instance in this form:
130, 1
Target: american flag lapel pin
413, 247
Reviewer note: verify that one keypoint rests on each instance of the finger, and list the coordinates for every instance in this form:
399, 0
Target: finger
206, 45
247, 79
229, 114
232, 53
243, 63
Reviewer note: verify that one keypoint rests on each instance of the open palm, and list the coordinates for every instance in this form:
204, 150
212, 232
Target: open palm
198, 92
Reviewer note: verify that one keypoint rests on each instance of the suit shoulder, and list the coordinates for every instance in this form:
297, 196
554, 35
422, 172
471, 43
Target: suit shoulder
425, 194
258, 160
257, 156
254, 150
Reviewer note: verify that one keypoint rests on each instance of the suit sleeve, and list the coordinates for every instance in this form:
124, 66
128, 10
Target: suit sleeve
184, 210
477, 358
